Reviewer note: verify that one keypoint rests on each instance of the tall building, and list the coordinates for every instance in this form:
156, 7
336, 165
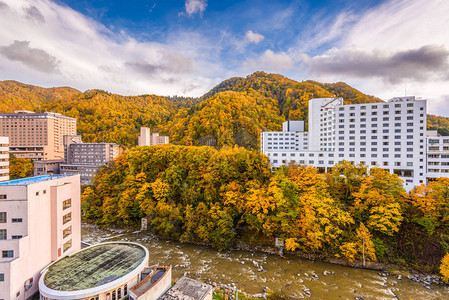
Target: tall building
389, 135
4, 158
86, 158
437, 155
146, 138
37, 136
40, 222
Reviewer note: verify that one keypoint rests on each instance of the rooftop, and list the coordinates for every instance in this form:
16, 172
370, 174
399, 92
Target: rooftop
94, 266
26, 113
150, 280
187, 289
31, 180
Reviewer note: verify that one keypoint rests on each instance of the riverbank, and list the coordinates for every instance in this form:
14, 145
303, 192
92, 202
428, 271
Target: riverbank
386, 269
383, 268
255, 270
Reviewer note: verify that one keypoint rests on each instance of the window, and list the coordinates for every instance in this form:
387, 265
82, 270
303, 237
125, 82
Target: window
2, 277
16, 237
125, 290
67, 245
66, 232
16, 220
7, 253
68, 217
2, 217
2, 196
3, 235
66, 203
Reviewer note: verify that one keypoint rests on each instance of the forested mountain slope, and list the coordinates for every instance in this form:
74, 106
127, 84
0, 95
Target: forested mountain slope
102, 116
233, 112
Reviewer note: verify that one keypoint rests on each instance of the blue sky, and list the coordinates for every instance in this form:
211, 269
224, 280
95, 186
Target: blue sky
186, 47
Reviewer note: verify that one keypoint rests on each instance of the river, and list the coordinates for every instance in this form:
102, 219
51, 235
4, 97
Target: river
293, 277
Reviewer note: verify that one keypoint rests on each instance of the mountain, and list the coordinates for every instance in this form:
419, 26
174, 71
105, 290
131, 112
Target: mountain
226, 118
102, 116
439, 123
235, 111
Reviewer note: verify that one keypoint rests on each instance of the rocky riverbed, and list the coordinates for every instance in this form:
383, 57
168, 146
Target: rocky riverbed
255, 272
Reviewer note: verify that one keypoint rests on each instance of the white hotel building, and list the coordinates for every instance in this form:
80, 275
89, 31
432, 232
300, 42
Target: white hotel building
389, 135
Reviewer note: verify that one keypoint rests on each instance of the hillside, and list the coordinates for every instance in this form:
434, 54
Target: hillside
233, 112
226, 118
439, 123
102, 116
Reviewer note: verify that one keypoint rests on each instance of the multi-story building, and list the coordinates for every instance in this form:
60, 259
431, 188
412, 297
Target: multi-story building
146, 138
389, 135
4, 158
47, 167
86, 158
40, 222
37, 136
437, 155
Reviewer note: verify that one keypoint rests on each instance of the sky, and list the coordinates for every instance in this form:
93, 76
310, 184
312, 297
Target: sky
383, 48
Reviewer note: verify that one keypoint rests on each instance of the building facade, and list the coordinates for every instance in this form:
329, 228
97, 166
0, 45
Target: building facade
389, 135
86, 158
40, 222
102, 272
37, 136
4, 158
437, 155
47, 167
146, 138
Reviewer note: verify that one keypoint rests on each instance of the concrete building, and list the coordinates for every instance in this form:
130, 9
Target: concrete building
437, 155
103, 272
40, 222
187, 288
146, 138
38, 136
153, 285
4, 158
86, 158
47, 167
389, 135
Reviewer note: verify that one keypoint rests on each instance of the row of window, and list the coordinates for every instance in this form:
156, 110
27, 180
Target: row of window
397, 105
438, 156
3, 217
4, 235
331, 162
439, 171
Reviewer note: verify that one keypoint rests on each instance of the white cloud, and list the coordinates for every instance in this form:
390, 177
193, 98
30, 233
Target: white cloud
195, 6
427, 63
252, 37
270, 61
84, 54
380, 51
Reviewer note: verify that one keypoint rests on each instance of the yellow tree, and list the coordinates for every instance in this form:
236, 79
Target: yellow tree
379, 209
361, 248
432, 202
444, 268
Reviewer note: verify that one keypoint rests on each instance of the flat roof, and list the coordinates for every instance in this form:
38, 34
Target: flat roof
35, 114
94, 266
187, 289
31, 180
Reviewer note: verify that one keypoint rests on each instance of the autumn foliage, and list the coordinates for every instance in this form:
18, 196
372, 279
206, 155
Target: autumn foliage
233, 112
220, 197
